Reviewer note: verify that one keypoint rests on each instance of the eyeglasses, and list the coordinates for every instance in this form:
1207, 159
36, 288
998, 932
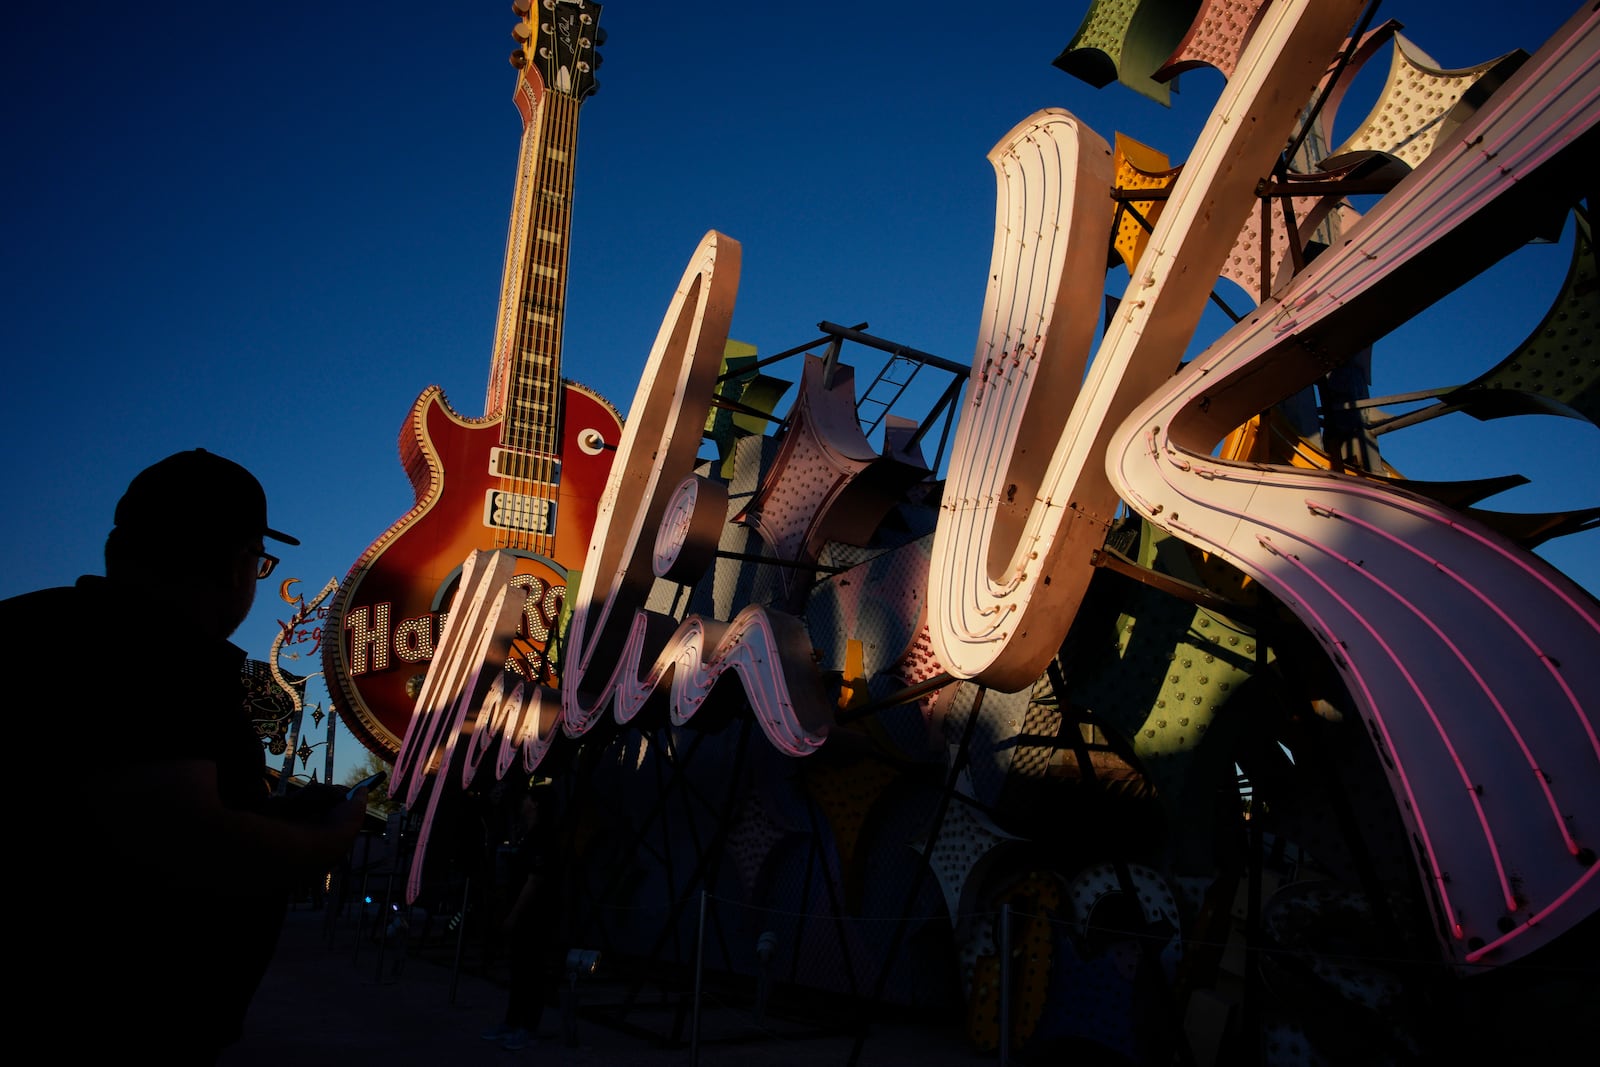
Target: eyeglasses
265, 565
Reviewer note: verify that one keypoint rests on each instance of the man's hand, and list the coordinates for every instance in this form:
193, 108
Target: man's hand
309, 803
347, 815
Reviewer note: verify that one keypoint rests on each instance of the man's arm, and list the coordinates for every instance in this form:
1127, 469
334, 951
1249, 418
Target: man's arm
172, 819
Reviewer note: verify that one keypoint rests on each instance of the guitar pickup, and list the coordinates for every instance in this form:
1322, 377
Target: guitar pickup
523, 512
527, 466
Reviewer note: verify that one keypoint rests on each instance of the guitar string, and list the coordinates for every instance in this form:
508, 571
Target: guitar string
560, 198
509, 473
558, 402
531, 308
541, 326
569, 141
516, 389
525, 379
537, 419
558, 190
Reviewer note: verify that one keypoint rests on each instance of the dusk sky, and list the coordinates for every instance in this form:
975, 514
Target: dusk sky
264, 229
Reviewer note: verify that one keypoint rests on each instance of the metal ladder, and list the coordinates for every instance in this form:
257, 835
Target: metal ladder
881, 396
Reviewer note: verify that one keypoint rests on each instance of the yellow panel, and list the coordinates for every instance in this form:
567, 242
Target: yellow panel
853, 693
1038, 901
1138, 166
845, 793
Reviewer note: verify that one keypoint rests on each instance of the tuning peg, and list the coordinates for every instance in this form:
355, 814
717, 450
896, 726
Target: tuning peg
521, 7
599, 36
519, 58
598, 59
522, 31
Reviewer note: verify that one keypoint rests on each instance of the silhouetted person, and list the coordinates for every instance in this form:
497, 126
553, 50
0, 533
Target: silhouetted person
164, 862
531, 922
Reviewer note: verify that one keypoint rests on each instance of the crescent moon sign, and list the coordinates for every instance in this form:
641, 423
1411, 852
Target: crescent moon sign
283, 591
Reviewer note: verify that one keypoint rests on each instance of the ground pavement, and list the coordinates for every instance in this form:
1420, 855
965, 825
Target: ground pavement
337, 997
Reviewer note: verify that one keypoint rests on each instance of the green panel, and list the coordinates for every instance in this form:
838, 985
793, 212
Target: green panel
1128, 40
1163, 678
1559, 361
748, 387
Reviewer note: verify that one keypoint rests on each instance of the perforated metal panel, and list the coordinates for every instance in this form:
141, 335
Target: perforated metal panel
1409, 114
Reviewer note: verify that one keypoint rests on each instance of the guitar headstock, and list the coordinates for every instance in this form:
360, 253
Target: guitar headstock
558, 39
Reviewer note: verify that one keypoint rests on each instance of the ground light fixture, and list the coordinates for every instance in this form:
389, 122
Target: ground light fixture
581, 962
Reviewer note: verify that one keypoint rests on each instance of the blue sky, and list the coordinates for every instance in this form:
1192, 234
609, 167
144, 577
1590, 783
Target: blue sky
264, 229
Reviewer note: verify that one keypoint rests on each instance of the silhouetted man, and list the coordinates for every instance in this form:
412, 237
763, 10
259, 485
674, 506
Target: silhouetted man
163, 860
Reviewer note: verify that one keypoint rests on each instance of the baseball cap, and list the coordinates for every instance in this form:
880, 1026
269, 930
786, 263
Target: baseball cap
197, 492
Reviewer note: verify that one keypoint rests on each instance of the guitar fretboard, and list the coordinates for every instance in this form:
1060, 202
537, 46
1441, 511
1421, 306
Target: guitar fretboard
525, 384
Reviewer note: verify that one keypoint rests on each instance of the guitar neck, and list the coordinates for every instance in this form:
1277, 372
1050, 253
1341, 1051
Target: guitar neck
525, 376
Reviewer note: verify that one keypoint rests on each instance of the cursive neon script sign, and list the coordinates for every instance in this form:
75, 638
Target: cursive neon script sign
466, 707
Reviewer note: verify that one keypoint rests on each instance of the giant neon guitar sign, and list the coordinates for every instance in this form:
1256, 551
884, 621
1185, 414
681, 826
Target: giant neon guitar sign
1473, 663
527, 476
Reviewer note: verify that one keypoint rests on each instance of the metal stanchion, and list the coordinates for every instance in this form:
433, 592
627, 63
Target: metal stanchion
461, 936
765, 944
699, 968
1005, 983
580, 963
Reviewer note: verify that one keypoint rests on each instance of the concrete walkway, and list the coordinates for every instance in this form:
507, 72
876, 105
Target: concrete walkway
329, 1000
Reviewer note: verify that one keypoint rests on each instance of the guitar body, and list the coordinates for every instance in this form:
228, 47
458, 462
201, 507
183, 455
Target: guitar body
392, 603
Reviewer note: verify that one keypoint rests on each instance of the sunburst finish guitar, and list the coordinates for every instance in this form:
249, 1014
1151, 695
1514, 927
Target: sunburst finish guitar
528, 475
